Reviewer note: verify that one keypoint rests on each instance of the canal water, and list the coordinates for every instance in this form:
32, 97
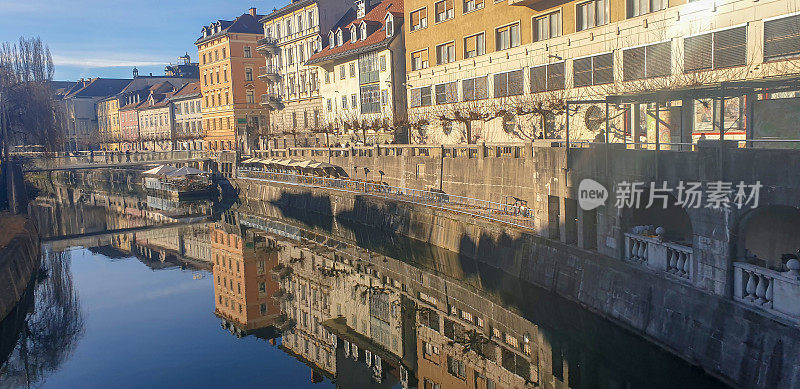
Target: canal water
136, 291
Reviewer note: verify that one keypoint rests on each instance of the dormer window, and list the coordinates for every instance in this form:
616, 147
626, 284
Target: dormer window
339, 39
331, 40
363, 31
353, 34
389, 25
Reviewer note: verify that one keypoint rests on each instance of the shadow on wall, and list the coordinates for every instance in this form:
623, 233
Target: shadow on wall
307, 208
769, 236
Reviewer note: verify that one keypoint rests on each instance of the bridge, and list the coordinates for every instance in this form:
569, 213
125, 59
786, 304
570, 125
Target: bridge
103, 238
38, 162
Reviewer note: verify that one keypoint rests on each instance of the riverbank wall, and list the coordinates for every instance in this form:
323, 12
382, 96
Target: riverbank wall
724, 337
19, 260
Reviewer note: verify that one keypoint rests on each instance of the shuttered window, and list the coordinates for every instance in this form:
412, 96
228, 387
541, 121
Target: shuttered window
647, 61
447, 93
419, 19
444, 10
475, 89
419, 60
595, 70
508, 84
782, 38
475, 45
445, 53
721, 49
421, 97
547, 77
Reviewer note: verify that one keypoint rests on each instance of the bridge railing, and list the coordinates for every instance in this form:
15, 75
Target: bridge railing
514, 214
83, 158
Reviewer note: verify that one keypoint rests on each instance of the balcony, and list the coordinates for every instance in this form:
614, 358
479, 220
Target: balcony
269, 73
271, 101
769, 290
656, 254
267, 46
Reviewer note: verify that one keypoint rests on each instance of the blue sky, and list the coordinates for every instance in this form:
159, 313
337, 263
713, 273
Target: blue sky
93, 38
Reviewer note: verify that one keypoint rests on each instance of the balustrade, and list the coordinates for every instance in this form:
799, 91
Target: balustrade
669, 257
767, 289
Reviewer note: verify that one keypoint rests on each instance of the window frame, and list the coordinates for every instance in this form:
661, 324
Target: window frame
451, 44
535, 29
511, 44
477, 54
422, 25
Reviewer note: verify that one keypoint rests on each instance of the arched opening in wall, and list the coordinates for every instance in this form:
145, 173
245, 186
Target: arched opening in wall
769, 236
671, 216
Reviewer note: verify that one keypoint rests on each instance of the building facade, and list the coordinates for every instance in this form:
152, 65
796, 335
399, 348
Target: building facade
363, 68
291, 35
502, 71
78, 108
188, 117
155, 119
108, 122
232, 116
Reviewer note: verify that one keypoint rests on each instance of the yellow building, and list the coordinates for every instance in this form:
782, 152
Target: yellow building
232, 114
492, 71
108, 122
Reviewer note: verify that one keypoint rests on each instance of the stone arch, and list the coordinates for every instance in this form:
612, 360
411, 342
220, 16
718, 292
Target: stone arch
674, 218
768, 236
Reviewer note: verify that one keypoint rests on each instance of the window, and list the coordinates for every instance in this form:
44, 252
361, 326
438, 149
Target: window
507, 37
339, 38
641, 7
447, 93
248, 74
591, 14
475, 45
383, 63
456, 367
508, 84
344, 102
331, 40
384, 97
782, 38
728, 48
353, 34
352, 69
370, 99
341, 72
419, 60
224, 55
419, 19
444, 10
363, 31
247, 52
547, 77
311, 21
389, 25
288, 27
330, 105
421, 97
472, 5
646, 61
475, 89
445, 53
368, 68
595, 70
547, 26
299, 22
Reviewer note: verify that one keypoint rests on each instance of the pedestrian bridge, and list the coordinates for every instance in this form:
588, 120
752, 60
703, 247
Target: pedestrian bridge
37, 162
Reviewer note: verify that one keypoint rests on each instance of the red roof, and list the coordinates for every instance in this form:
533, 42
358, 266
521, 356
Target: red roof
188, 89
375, 17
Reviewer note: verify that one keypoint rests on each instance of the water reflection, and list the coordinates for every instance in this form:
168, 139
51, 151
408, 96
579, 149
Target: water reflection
48, 324
356, 306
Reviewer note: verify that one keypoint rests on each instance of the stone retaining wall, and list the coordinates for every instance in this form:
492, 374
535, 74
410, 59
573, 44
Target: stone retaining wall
727, 339
19, 261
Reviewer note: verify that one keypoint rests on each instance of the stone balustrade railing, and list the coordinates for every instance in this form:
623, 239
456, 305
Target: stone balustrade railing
669, 257
767, 289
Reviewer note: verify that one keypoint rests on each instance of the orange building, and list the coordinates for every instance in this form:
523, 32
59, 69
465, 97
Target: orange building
232, 116
242, 284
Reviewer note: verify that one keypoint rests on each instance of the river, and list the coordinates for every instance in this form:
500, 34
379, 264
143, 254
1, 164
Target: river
137, 291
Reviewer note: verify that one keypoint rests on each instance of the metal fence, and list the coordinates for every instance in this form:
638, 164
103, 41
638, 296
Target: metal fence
514, 214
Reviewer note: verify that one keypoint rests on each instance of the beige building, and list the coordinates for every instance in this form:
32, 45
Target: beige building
188, 117
502, 71
293, 34
364, 66
155, 118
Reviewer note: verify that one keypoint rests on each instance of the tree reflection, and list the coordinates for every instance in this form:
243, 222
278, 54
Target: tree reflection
51, 328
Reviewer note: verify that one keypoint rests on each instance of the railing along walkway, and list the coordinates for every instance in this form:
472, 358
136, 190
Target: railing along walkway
516, 215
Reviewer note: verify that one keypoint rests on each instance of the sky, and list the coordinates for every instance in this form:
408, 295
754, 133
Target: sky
96, 38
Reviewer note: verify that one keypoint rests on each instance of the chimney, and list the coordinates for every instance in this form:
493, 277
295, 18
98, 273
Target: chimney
252, 11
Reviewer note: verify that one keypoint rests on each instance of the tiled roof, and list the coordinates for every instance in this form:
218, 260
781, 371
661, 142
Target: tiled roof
98, 87
191, 89
374, 18
246, 24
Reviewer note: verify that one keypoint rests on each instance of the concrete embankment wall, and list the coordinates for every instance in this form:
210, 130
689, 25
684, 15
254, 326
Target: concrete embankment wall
726, 339
19, 260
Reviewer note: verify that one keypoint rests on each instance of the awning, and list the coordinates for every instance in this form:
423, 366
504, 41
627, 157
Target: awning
185, 171
160, 170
